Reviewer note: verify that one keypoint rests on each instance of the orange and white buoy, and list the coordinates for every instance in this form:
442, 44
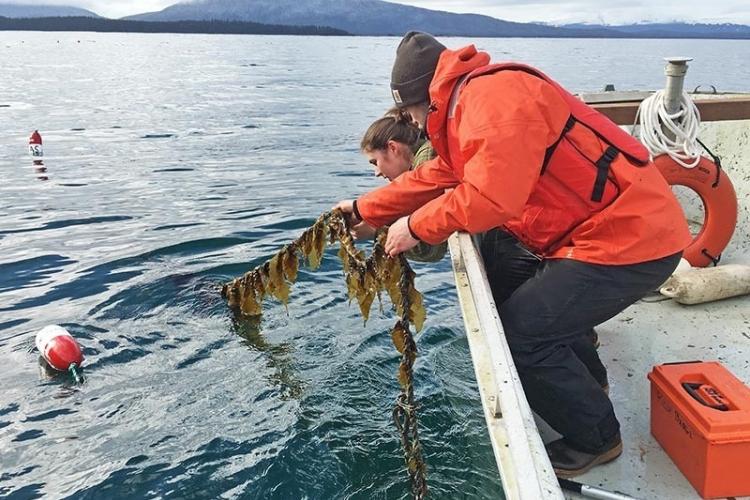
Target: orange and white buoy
60, 350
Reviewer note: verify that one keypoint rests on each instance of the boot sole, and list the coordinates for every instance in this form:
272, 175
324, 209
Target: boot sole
605, 457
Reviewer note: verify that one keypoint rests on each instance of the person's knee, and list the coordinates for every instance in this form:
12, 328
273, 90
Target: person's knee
518, 322
527, 351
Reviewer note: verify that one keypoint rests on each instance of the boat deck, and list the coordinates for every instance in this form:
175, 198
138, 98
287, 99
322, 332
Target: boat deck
651, 333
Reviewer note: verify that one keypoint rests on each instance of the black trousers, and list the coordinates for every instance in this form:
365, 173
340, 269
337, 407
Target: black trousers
509, 264
548, 310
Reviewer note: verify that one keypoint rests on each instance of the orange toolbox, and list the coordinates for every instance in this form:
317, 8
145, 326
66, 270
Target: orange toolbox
700, 415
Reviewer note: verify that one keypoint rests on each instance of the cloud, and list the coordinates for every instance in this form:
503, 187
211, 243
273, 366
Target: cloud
611, 12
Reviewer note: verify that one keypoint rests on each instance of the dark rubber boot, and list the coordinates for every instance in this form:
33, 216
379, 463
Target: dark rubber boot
570, 462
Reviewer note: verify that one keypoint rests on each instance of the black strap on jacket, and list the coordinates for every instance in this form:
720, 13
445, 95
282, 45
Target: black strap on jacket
602, 172
602, 164
550, 150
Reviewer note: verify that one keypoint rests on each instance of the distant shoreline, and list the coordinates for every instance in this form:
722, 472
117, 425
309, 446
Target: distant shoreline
104, 25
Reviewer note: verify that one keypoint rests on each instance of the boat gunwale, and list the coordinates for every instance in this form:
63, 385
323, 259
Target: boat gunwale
525, 469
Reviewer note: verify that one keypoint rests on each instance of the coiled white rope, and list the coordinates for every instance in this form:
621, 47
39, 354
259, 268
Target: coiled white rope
683, 125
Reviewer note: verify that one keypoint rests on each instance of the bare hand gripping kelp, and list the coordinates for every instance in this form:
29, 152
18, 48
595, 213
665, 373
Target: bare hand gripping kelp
366, 278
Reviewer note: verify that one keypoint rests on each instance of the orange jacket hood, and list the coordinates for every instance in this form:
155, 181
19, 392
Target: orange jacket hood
452, 65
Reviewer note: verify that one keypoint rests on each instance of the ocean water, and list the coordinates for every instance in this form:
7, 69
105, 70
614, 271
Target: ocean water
176, 162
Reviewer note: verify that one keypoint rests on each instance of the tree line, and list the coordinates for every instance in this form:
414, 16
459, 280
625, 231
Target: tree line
123, 26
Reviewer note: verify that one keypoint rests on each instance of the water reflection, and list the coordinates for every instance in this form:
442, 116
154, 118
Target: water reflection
279, 357
41, 170
49, 374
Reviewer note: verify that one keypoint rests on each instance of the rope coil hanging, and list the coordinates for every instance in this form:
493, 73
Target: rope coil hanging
683, 125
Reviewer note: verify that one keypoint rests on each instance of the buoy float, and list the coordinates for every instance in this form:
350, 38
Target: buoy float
682, 266
719, 199
60, 350
696, 286
35, 147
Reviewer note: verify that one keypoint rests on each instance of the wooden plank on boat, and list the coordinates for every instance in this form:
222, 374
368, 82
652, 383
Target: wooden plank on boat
525, 470
712, 108
611, 97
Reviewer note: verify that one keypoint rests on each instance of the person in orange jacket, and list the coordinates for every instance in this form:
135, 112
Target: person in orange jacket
517, 151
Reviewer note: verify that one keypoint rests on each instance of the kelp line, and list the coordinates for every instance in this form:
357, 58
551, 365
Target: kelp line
366, 278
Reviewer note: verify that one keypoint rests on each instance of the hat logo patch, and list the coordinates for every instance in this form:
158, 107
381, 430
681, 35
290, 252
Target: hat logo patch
397, 97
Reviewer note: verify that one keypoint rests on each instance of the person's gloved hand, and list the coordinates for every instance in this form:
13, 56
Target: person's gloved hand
400, 238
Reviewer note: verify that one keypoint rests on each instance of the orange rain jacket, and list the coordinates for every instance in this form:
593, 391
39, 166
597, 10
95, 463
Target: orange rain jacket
491, 150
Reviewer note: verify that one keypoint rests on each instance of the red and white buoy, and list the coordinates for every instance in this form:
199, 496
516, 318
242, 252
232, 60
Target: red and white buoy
59, 349
35, 146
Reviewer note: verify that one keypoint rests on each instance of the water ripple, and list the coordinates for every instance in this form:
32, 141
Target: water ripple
69, 222
27, 272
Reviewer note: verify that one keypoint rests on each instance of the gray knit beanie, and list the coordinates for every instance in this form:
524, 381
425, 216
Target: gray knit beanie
416, 60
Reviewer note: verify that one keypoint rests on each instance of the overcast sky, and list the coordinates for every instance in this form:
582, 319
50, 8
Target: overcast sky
564, 11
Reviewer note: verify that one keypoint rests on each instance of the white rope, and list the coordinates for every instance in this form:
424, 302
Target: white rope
656, 124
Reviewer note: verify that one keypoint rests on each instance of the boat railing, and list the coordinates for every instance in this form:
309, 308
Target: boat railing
525, 469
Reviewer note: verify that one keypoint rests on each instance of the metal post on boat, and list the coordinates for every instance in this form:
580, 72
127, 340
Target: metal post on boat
592, 491
675, 71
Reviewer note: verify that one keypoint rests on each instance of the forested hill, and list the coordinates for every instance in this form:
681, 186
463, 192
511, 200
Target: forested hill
123, 26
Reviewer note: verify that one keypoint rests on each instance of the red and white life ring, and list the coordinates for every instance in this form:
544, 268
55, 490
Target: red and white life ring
715, 189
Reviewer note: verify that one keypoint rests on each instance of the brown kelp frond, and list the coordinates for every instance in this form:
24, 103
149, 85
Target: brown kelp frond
365, 277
